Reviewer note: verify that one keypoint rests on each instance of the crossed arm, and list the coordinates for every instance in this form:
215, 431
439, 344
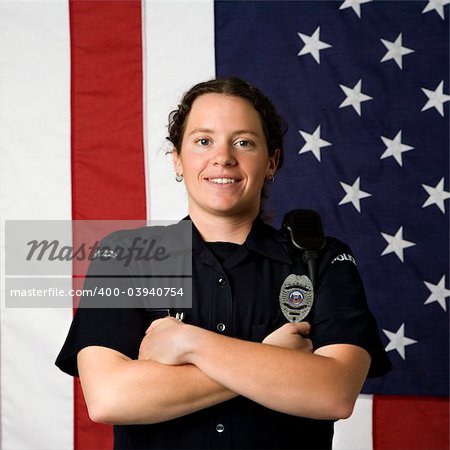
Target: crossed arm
183, 368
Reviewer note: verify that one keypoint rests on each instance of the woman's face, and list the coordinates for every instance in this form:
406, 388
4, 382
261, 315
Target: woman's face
224, 157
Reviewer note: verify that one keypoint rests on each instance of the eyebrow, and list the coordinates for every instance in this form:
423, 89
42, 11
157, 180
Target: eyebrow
209, 131
200, 130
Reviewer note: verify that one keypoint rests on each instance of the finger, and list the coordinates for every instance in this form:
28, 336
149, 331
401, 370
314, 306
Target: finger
165, 322
302, 328
154, 324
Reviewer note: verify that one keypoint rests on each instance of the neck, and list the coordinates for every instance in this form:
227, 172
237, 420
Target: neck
214, 228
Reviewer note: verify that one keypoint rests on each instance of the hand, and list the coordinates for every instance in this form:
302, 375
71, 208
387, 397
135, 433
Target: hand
163, 342
291, 335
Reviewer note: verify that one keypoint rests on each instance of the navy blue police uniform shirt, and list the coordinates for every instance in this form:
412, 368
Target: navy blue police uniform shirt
236, 293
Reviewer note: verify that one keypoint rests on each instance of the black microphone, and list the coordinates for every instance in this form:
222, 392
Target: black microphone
305, 231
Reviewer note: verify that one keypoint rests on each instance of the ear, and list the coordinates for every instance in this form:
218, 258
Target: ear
176, 161
273, 162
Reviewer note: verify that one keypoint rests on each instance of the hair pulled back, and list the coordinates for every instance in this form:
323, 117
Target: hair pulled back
273, 125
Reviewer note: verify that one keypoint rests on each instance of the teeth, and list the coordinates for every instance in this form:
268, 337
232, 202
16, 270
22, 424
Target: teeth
222, 180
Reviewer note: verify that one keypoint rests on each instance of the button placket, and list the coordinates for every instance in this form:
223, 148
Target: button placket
222, 313
220, 321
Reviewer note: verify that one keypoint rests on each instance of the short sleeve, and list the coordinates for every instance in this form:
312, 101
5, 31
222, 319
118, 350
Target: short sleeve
118, 328
341, 314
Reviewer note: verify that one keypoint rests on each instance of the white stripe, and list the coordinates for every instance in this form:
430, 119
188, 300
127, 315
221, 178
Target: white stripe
178, 52
37, 399
355, 433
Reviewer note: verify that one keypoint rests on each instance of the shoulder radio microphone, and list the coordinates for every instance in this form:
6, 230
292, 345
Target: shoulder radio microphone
305, 231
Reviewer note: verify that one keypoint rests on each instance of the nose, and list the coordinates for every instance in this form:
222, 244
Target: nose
224, 155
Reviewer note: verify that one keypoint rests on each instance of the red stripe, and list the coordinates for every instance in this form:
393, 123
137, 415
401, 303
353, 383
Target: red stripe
107, 138
108, 171
410, 423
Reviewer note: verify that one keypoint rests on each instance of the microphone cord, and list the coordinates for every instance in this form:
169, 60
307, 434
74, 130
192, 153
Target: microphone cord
309, 257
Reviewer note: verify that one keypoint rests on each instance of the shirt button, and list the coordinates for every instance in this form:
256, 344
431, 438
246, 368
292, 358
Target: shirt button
221, 327
221, 281
220, 428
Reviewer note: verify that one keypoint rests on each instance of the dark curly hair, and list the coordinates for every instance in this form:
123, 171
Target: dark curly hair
273, 124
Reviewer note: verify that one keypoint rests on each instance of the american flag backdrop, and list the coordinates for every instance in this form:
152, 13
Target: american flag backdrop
364, 86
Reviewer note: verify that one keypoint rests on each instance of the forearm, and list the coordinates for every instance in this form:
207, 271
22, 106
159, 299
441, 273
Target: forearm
291, 381
125, 391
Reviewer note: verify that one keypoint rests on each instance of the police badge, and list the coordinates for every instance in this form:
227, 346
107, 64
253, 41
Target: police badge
296, 297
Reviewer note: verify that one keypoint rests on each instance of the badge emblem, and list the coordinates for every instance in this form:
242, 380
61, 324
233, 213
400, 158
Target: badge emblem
296, 297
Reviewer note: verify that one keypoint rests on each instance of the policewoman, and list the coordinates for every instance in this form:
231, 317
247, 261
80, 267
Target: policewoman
236, 372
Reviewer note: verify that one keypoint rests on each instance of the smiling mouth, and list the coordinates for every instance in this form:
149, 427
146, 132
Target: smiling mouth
222, 180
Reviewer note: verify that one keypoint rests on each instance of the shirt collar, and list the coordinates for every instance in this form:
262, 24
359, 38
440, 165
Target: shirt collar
262, 239
267, 241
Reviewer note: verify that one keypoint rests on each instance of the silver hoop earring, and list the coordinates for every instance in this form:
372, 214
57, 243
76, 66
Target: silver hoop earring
178, 178
270, 179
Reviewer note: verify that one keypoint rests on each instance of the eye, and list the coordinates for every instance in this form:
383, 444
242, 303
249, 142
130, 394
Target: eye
203, 141
244, 143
